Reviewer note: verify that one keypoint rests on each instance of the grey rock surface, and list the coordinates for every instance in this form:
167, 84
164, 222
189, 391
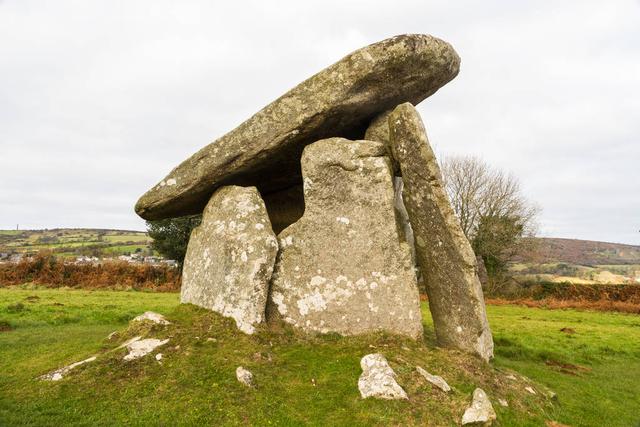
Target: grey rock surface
378, 380
338, 101
378, 130
59, 374
436, 380
152, 317
230, 257
343, 267
141, 348
481, 411
443, 252
245, 377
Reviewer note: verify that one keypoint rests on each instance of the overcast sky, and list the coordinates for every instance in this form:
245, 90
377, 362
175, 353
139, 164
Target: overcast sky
100, 99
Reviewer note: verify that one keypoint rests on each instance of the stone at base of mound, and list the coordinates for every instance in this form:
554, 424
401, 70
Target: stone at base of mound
342, 267
141, 348
58, 374
481, 411
245, 377
378, 380
230, 257
436, 380
444, 254
152, 317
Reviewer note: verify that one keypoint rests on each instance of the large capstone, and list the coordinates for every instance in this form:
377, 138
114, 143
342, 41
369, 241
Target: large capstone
442, 250
343, 266
338, 101
230, 257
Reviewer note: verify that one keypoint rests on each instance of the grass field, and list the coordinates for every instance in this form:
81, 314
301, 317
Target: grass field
591, 359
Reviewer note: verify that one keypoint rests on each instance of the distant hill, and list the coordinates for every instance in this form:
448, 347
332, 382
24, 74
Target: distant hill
72, 242
581, 252
578, 262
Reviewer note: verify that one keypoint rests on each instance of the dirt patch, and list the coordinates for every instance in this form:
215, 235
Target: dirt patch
569, 331
567, 368
32, 298
5, 326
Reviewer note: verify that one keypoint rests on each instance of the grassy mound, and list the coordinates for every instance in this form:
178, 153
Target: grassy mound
300, 380
591, 359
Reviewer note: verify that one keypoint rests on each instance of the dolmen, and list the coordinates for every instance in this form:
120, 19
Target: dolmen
324, 207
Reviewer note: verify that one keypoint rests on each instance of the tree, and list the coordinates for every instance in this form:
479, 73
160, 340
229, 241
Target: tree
494, 214
171, 236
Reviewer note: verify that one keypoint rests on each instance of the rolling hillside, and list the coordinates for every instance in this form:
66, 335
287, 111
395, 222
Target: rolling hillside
582, 252
72, 242
578, 262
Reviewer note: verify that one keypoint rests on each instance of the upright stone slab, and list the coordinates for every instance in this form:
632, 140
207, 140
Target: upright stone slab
338, 101
230, 257
342, 267
378, 130
442, 250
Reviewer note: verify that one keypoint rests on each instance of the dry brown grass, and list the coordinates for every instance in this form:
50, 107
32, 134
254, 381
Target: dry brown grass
47, 270
583, 304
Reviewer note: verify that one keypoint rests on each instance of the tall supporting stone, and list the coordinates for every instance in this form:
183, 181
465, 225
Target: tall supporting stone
230, 257
443, 252
343, 267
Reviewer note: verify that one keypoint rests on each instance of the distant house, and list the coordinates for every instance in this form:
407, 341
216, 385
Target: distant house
128, 258
170, 262
15, 258
152, 260
87, 260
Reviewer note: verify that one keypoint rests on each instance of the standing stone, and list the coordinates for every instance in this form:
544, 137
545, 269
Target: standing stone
343, 267
230, 257
442, 250
378, 379
338, 101
378, 130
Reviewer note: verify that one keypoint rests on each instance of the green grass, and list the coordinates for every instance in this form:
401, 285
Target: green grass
121, 249
124, 238
301, 380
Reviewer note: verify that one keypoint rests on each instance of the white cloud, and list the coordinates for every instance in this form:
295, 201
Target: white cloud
101, 99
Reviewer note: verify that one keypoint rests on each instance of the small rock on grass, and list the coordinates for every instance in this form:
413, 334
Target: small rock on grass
58, 374
129, 341
245, 377
480, 411
151, 317
378, 379
141, 348
436, 380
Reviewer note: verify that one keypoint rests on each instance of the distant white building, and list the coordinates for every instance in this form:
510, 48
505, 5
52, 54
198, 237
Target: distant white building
83, 259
